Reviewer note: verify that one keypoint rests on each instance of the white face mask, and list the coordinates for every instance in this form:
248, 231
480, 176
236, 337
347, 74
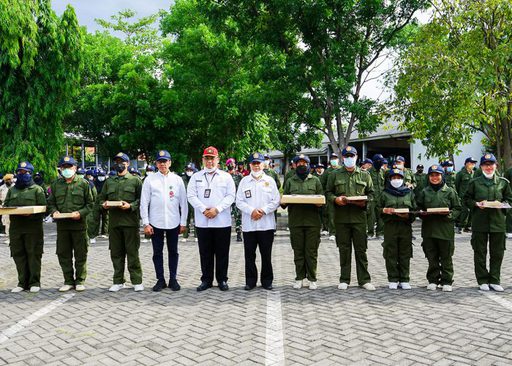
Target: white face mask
400, 166
334, 162
488, 176
101, 178
189, 173
210, 170
349, 162
320, 171
256, 174
397, 183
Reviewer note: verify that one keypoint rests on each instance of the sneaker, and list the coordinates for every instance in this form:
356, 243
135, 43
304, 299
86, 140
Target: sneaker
332, 238
325, 233
92, 241
297, 284
368, 286
116, 287
431, 287
484, 287
405, 285
509, 235
378, 237
313, 285
139, 287
80, 288
496, 288
65, 288
343, 286
393, 285
447, 288
17, 289
35, 289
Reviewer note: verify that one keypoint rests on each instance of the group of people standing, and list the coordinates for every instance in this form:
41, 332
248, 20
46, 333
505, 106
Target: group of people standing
357, 197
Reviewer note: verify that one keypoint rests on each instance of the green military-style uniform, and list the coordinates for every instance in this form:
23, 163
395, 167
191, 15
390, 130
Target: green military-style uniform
274, 175
26, 234
374, 220
290, 173
72, 239
91, 224
438, 232
397, 233
304, 223
330, 205
237, 215
450, 180
421, 182
124, 239
488, 224
508, 175
350, 220
409, 177
190, 215
462, 180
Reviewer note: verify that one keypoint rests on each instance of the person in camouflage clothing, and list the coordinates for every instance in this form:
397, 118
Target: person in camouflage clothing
237, 215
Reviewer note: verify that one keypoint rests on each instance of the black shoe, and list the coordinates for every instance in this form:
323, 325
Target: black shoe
159, 286
248, 288
458, 230
204, 286
174, 285
467, 230
239, 237
223, 286
267, 287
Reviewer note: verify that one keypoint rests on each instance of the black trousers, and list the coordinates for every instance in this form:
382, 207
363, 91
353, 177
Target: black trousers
263, 240
214, 251
172, 249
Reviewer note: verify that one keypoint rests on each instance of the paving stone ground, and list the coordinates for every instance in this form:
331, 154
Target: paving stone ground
293, 327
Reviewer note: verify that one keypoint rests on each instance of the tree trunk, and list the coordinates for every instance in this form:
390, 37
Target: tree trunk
507, 136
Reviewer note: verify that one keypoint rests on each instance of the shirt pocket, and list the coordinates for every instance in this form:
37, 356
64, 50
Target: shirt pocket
77, 198
360, 188
340, 187
128, 194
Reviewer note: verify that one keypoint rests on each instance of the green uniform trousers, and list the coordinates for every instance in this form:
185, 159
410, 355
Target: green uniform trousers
439, 254
346, 236
371, 218
190, 217
97, 222
27, 251
509, 221
73, 243
398, 250
464, 218
330, 218
305, 241
124, 244
496, 252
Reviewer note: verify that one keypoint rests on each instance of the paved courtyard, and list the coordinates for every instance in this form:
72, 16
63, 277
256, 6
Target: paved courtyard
284, 326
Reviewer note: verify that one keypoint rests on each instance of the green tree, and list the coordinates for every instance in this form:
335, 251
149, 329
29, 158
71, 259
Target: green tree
456, 78
40, 64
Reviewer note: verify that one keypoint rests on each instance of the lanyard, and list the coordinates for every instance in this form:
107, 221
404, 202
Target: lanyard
206, 178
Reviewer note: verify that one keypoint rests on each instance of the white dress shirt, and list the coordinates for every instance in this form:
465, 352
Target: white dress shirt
215, 190
163, 201
258, 194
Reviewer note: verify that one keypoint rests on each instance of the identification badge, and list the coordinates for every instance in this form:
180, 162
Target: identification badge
248, 194
207, 193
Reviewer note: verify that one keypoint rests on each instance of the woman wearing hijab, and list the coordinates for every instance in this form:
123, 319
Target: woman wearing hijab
397, 229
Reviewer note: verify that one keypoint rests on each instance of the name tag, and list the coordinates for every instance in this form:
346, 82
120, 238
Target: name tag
248, 194
207, 193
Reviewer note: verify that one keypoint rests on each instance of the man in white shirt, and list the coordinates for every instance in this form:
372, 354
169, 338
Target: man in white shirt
164, 209
211, 192
258, 197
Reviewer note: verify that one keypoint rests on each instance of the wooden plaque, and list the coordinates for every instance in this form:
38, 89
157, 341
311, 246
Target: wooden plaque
357, 198
313, 199
22, 210
401, 210
114, 203
61, 215
496, 204
438, 210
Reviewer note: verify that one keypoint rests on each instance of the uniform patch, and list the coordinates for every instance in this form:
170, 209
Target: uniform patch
255, 155
23, 165
349, 148
161, 153
248, 194
120, 154
66, 158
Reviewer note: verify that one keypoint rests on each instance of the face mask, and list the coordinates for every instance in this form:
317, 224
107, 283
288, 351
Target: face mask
320, 171
420, 171
449, 169
91, 179
302, 169
8, 184
189, 173
68, 173
120, 168
257, 174
81, 176
334, 162
210, 170
230, 168
488, 176
349, 162
397, 183
101, 178
38, 180
23, 179
400, 166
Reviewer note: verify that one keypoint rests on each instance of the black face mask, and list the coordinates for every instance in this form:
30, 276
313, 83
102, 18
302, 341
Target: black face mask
38, 180
230, 168
302, 171
120, 168
420, 171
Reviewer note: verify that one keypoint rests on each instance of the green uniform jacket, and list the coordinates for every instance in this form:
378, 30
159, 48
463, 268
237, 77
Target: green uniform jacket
438, 226
462, 181
303, 215
345, 183
236, 178
66, 198
30, 196
274, 175
377, 179
324, 177
495, 189
122, 188
449, 179
421, 182
409, 177
388, 200
290, 173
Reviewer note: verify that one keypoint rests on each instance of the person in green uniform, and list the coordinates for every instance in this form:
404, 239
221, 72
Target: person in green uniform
91, 224
397, 229
462, 179
334, 165
377, 172
26, 231
190, 169
409, 177
291, 169
235, 212
488, 224
124, 222
304, 223
508, 175
421, 179
350, 217
271, 172
319, 171
449, 175
71, 194
366, 165
437, 229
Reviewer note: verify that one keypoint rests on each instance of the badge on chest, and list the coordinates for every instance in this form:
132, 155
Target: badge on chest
207, 193
248, 193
